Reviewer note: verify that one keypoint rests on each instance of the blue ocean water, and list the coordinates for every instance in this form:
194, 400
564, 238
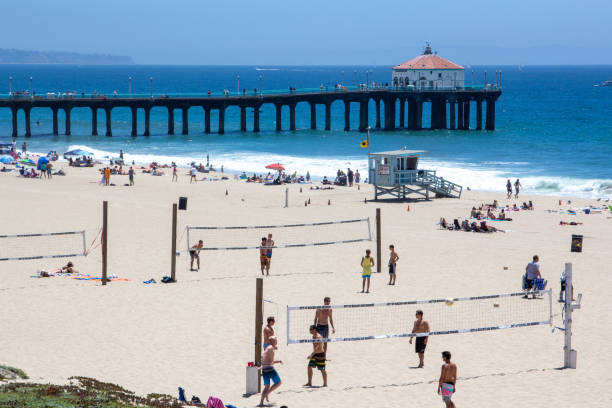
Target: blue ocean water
553, 126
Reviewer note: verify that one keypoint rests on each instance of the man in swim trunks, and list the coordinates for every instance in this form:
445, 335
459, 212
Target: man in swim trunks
194, 252
420, 326
393, 258
448, 379
532, 272
316, 358
268, 372
263, 257
268, 332
270, 245
323, 318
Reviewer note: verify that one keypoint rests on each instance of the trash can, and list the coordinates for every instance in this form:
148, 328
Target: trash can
182, 203
252, 380
576, 243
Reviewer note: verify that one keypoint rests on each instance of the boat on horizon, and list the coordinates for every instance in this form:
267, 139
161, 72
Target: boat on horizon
607, 83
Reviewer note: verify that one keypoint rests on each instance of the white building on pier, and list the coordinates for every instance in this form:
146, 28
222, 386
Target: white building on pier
428, 71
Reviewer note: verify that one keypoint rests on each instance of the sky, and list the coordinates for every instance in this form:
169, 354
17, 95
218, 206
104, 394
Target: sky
315, 32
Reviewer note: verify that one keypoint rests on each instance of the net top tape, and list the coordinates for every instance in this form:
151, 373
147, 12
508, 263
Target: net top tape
281, 246
415, 302
46, 234
433, 333
278, 226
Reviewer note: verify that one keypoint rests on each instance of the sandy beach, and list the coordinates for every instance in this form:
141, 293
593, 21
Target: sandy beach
198, 332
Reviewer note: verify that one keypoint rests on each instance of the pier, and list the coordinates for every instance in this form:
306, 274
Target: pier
402, 108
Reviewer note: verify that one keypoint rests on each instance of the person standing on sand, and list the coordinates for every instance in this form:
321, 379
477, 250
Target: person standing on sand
174, 175
420, 326
193, 175
517, 185
269, 245
367, 262
448, 380
316, 358
268, 372
509, 189
131, 175
268, 332
393, 258
107, 173
121, 154
263, 257
194, 252
323, 318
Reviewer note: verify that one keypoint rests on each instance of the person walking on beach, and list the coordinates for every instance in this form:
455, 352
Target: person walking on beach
131, 175
270, 245
323, 318
107, 173
367, 262
24, 148
517, 185
350, 175
448, 380
121, 154
357, 177
193, 175
393, 258
263, 257
509, 189
194, 252
268, 372
316, 358
268, 332
420, 326
174, 175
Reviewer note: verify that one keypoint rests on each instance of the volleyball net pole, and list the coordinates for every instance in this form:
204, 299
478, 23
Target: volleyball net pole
173, 255
104, 241
378, 242
569, 354
258, 326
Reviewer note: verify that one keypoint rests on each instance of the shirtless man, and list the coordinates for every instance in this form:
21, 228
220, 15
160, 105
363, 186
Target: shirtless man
448, 379
263, 257
393, 258
269, 244
268, 372
194, 252
268, 332
420, 326
323, 318
316, 358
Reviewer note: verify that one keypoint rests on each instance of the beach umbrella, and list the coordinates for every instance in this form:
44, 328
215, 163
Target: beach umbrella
6, 159
275, 166
41, 161
28, 162
78, 152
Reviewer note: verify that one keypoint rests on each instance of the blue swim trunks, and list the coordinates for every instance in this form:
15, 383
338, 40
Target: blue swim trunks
269, 373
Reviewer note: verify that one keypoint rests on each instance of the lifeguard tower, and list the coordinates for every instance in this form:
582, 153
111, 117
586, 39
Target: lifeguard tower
396, 173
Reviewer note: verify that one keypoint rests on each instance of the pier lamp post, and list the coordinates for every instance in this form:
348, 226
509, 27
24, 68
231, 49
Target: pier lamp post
472, 78
500, 79
355, 78
130, 86
260, 85
151, 82
31, 89
367, 78
10, 86
342, 74
238, 84
485, 79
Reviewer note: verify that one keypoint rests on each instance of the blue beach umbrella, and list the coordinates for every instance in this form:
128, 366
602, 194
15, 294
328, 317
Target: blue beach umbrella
41, 161
78, 152
6, 159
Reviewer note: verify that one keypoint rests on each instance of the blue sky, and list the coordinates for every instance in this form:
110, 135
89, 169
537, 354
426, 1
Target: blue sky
315, 32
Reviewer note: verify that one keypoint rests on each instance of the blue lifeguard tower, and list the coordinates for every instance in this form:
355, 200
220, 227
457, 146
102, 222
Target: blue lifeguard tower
396, 173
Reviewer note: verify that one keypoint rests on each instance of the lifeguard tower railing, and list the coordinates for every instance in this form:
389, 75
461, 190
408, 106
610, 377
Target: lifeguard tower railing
428, 178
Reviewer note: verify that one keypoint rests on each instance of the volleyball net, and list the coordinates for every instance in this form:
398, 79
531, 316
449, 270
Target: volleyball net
368, 321
285, 235
21, 247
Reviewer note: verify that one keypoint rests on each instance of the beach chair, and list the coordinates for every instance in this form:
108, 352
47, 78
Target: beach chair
456, 224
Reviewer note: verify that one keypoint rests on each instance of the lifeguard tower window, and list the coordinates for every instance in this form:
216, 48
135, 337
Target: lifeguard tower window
405, 178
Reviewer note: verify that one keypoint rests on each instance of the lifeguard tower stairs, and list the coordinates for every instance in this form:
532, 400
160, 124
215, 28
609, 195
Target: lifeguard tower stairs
396, 173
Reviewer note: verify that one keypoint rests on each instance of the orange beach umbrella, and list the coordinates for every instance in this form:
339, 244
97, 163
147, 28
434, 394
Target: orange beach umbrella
275, 166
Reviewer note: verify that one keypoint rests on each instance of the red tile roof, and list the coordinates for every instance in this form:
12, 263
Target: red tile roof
428, 61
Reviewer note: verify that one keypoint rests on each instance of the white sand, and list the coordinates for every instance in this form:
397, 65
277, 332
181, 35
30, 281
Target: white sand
199, 333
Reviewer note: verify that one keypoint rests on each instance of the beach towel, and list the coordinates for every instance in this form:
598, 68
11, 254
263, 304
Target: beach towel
214, 402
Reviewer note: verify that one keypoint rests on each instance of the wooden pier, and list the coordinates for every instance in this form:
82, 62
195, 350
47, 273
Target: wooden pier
450, 108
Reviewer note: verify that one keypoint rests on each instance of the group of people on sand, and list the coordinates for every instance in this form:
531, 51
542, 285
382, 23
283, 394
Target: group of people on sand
68, 268
517, 187
317, 359
108, 171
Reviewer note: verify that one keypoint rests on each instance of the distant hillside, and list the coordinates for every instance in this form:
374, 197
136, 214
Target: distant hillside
53, 57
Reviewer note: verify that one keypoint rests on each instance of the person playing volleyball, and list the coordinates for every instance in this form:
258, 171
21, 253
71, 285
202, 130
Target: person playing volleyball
448, 380
194, 252
420, 326
263, 257
367, 262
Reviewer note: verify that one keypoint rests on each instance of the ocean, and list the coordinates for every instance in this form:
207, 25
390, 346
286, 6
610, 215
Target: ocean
553, 125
